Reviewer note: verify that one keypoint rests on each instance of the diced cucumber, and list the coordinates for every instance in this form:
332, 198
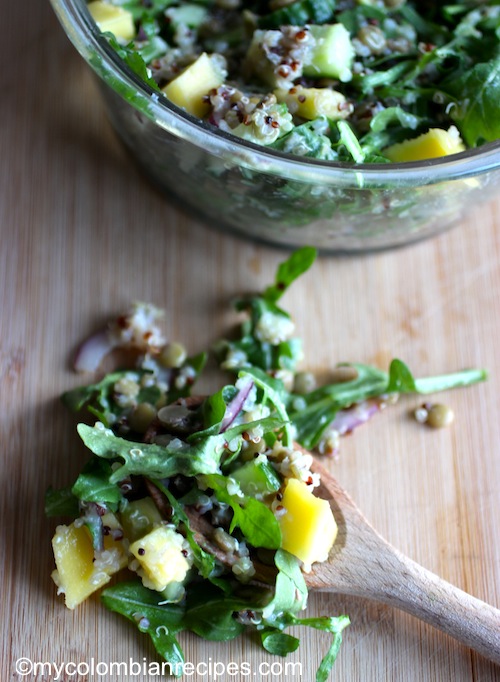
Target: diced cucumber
299, 13
188, 15
333, 54
139, 518
257, 477
152, 49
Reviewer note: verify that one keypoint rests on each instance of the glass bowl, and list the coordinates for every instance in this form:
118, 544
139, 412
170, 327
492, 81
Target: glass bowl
270, 196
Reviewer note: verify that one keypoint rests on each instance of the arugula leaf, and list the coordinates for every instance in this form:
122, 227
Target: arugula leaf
150, 459
99, 392
309, 140
198, 456
350, 142
160, 621
319, 407
290, 594
274, 393
477, 100
334, 625
299, 13
210, 614
214, 408
401, 380
61, 502
328, 624
279, 643
251, 349
256, 521
93, 484
133, 60
299, 262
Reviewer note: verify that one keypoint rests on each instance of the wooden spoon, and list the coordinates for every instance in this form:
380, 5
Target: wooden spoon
363, 564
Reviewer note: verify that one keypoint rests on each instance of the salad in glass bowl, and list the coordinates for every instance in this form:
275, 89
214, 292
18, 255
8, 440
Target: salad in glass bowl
351, 126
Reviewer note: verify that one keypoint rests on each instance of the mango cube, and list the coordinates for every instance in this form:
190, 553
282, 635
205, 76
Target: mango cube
431, 145
308, 528
161, 556
79, 572
112, 18
309, 103
190, 88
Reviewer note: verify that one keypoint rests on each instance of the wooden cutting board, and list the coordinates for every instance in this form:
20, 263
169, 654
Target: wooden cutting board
82, 235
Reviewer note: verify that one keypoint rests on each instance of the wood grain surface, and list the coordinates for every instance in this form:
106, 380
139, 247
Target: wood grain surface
82, 235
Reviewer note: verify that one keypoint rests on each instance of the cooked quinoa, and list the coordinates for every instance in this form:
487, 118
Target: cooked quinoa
346, 80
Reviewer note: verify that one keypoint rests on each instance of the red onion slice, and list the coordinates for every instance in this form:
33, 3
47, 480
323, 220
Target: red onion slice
347, 420
93, 351
234, 407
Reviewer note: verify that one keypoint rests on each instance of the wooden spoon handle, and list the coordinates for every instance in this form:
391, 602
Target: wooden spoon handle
412, 588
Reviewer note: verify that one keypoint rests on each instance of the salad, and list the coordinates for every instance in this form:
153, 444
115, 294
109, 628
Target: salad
339, 80
208, 501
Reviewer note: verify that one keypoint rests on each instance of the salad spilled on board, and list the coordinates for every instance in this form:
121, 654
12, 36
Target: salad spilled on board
339, 80
209, 501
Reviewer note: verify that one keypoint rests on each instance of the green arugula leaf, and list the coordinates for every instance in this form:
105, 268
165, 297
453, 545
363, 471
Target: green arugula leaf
279, 643
201, 455
150, 459
290, 595
336, 627
160, 621
256, 521
299, 262
99, 393
61, 502
211, 614
93, 484
401, 380
275, 394
477, 100
319, 407
133, 60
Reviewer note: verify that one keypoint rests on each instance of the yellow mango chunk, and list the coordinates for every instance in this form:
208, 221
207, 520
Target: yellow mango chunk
431, 145
189, 89
162, 558
79, 571
309, 103
112, 18
308, 528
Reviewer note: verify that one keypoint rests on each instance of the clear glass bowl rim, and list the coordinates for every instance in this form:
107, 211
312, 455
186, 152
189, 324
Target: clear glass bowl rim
87, 39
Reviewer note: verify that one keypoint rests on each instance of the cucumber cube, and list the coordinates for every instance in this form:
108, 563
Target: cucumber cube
257, 478
333, 55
